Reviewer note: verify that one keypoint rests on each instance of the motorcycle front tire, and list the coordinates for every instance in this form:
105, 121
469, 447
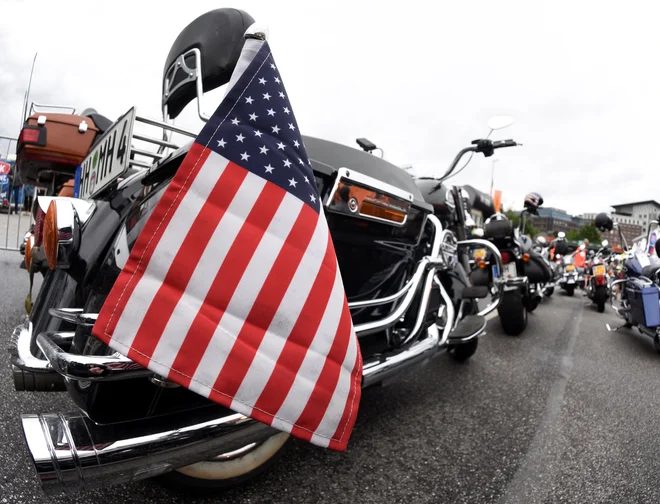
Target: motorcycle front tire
512, 313
600, 296
570, 290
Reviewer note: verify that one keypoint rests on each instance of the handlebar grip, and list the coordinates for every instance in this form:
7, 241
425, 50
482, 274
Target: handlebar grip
505, 143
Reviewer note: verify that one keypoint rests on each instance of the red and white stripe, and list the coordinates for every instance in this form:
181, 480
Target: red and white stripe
233, 290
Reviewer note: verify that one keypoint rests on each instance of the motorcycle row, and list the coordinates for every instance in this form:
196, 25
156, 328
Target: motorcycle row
420, 278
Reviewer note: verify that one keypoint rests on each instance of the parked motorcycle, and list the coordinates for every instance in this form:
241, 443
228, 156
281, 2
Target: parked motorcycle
525, 271
639, 305
404, 272
597, 284
542, 248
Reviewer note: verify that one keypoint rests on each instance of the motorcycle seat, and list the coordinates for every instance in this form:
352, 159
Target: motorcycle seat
650, 271
101, 122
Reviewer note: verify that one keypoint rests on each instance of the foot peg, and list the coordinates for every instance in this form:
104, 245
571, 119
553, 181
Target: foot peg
467, 329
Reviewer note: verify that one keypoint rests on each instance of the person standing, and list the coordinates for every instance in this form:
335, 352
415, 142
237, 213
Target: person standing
15, 182
28, 197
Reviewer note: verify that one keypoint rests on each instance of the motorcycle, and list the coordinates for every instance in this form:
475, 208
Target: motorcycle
597, 283
639, 304
404, 274
542, 248
526, 273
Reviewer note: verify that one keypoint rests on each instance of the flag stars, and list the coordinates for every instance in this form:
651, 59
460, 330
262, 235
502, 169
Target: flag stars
292, 127
271, 112
222, 143
277, 79
301, 161
281, 94
249, 100
281, 146
245, 156
253, 117
292, 182
306, 179
272, 65
235, 121
276, 129
240, 137
269, 168
258, 133
287, 163
266, 96
296, 144
262, 81
286, 110
311, 197
263, 149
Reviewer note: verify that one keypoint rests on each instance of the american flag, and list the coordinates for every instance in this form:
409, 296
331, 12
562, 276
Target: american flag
232, 288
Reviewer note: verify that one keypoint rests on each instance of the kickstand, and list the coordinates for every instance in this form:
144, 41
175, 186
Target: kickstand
610, 329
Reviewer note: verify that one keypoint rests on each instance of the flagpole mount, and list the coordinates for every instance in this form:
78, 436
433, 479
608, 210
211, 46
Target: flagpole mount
258, 31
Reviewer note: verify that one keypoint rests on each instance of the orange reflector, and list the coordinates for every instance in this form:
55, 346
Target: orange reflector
382, 213
28, 252
51, 235
525, 257
482, 264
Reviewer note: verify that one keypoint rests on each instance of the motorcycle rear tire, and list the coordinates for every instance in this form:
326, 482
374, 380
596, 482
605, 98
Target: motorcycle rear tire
600, 296
549, 291
513, 313
570, 290
211, 476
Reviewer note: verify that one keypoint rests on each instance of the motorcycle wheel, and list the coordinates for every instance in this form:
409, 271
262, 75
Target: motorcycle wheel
229, 469
550, 291
513, 313
461, 353
570, 290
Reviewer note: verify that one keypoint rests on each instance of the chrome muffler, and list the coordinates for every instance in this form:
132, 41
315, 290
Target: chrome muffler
71, 453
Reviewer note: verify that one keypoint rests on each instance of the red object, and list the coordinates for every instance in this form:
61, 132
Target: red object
233, 289
601, 280
39, 219
506, 257
28, 135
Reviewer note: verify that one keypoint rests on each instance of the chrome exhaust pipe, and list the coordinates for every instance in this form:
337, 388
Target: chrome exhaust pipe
71, 453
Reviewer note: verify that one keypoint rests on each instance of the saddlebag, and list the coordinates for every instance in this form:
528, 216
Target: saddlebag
498, 229
57, 144
644, 299
536, 269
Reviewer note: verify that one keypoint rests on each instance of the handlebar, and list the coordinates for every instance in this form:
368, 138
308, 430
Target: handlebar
485, 146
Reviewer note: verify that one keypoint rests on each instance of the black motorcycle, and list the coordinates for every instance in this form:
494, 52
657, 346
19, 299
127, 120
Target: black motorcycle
525, 272
404, 274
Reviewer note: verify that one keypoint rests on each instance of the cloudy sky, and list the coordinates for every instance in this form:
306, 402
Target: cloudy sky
420, 80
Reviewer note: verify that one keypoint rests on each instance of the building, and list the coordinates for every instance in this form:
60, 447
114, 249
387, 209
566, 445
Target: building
639, 213
633, 222
551, 220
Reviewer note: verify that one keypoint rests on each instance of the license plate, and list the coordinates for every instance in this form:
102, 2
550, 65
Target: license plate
108, 160
509, 270
571, 281
599, 269
495, 272
480, 253
570, 267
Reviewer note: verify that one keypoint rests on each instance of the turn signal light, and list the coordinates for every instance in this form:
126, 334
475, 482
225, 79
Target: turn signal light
29, 135
51, 235
482, 264
28, 252
382, 213
525, 257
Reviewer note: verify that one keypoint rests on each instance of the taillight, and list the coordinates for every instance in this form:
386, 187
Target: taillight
507, 257
39, 226
29, 135
601, 280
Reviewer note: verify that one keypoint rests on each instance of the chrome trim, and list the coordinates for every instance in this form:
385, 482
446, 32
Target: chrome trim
165, 126
21, 353
74, 315
450, 312
381, 301
88, 367
499, 281
72, 453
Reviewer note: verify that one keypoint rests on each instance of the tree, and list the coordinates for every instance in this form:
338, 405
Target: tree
512, 215
589, 231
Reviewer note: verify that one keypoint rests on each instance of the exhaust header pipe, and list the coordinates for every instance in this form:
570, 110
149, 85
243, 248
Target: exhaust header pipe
71, 453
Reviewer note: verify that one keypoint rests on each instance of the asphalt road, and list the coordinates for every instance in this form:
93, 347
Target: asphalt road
565, 413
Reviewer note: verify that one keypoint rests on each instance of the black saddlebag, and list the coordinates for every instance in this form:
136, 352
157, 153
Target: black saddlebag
536, 269
498, 229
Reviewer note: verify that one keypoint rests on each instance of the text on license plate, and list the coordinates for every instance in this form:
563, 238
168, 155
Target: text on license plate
599, 269
509, 270
108, 160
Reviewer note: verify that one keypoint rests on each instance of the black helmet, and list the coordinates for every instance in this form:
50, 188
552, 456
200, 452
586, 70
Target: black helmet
603, 222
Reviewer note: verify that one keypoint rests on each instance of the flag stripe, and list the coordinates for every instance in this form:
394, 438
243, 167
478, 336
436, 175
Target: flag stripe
296, 295
224, 284
147, 240
284, 374
170, 239
340, 438
267, 302
186, 259
247, 291
200, 282
325, 393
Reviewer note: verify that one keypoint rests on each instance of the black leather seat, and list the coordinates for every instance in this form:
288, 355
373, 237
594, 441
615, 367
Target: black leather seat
650, 271
102, 122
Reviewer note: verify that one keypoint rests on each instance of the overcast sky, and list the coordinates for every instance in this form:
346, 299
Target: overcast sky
580, 78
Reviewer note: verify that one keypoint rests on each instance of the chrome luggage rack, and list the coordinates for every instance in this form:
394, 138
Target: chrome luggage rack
57, 358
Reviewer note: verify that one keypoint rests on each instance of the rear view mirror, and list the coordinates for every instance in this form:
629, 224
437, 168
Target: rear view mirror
478, 232
500, 122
